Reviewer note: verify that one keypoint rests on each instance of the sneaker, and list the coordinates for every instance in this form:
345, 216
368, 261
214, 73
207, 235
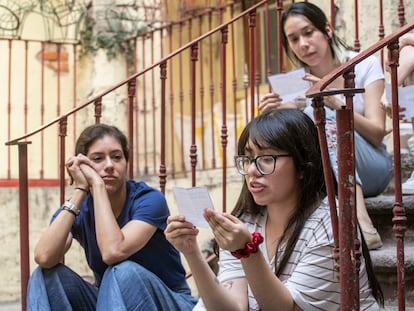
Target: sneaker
408, 186
372, 239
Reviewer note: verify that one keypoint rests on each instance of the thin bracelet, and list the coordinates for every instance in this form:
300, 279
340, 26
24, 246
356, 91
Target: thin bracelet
82, 189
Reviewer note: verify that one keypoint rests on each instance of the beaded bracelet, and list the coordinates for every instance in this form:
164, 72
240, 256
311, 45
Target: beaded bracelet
250, 248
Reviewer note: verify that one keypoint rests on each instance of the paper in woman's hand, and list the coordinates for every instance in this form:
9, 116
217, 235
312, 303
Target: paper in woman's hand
290, 85
191, 203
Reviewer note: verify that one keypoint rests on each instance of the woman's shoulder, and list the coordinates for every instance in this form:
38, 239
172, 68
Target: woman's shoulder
140, 187
139, 190
370, 61
367, 71
318, 227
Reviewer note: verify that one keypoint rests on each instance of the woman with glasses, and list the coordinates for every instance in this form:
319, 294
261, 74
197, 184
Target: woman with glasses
120, 225
276, 247
310, 42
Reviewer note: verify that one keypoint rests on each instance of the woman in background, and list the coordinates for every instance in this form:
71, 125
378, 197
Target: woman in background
310, 42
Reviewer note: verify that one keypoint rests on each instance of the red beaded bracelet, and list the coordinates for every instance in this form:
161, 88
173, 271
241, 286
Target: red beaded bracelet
250, 248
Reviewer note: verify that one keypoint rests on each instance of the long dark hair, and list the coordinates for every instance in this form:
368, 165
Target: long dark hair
97, 131
317, 17
293, 132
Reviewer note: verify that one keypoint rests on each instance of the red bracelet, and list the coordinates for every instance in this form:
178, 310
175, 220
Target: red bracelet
250, 248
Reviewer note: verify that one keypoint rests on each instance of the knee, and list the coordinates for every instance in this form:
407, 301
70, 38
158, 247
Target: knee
126, 271
60, 270
40, 272
36, 277
127, 267
43, 279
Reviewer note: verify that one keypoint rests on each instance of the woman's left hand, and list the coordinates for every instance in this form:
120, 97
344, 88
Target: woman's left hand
330, 101
230, 233
73, 167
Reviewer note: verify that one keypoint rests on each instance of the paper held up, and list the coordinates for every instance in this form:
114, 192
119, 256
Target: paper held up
405, 99
290, 85
191, 203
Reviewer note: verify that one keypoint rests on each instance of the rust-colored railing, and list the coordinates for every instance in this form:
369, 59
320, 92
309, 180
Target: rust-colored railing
349, 256
134, 121
152, 114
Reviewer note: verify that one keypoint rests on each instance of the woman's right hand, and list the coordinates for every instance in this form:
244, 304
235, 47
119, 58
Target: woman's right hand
269, 101
182, 234
77, 176
274, 101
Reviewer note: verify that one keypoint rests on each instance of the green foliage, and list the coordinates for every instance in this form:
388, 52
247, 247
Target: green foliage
113, 43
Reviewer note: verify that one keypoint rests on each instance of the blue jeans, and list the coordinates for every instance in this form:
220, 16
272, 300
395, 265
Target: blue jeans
373, 166
126, 286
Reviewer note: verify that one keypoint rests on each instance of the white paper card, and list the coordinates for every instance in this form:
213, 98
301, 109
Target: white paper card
191, 203
405, 99
290, 85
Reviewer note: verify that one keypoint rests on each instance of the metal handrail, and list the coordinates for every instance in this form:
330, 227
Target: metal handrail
346, 172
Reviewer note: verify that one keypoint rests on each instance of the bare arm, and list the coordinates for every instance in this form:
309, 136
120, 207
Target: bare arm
406, 39
406, 63
57, 239
268, 290
231, 295
115, 243
372, 126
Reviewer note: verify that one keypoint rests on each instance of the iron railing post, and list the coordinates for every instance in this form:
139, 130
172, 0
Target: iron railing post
24, 221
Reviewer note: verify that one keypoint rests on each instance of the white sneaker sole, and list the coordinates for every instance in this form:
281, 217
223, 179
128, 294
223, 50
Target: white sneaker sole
407, 190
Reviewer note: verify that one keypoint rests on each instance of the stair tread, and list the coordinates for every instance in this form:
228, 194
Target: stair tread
383, 204
385, 257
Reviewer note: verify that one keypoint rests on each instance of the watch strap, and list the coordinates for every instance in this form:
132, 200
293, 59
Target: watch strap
70, 207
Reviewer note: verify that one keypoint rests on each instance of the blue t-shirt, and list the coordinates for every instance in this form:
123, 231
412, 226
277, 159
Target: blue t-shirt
158, 255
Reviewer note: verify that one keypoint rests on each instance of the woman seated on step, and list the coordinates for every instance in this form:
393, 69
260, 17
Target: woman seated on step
405, 76
310, 42
120, 225
276, 248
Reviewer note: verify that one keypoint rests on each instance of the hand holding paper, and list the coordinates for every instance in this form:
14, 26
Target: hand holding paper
290, 85
191, 203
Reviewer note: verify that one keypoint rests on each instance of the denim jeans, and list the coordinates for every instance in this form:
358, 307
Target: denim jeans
374, 166
126, 286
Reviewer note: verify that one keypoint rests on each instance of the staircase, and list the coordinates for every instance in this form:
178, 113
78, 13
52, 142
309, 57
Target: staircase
384, 259
380, 208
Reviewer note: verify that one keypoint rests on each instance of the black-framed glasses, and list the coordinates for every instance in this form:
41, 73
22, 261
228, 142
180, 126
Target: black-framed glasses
265, 164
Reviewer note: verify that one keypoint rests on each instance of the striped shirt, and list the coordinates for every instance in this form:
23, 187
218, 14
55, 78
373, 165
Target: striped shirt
309, 274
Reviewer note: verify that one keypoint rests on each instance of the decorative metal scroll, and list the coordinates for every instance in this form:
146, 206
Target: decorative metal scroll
64, 20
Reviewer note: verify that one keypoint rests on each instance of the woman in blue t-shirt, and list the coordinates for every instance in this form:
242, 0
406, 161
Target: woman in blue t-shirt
120, 225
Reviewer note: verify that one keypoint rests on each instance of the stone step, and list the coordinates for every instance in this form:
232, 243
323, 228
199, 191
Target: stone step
385, 267
380, 209
384, 259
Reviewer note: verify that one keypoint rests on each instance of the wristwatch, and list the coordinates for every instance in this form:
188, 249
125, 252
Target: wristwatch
70, 207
